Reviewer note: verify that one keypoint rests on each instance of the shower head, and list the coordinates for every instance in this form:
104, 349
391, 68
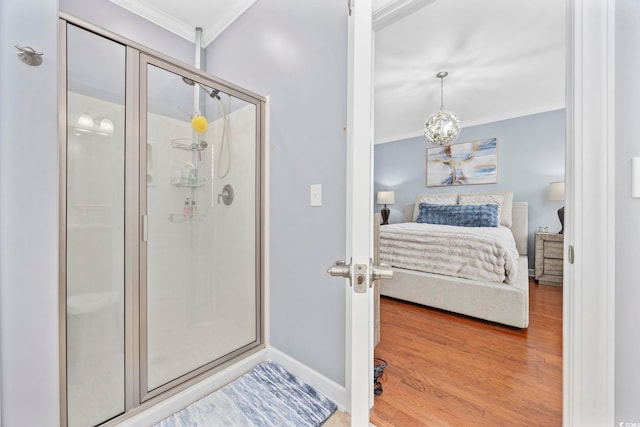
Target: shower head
213, 94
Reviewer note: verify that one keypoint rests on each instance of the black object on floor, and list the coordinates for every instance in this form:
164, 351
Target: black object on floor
378, 370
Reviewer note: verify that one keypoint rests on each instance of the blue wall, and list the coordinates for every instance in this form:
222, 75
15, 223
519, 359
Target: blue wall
29, 216
627, 211
296, 53
530, 156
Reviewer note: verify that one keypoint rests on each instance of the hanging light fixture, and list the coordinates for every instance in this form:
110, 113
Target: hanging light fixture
443, 126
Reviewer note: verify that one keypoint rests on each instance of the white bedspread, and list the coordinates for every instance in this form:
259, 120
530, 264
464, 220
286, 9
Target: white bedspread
477, 253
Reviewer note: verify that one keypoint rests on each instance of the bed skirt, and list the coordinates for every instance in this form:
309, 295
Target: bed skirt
507, 304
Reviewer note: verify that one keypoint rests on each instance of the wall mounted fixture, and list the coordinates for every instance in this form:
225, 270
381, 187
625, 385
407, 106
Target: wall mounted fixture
385, 198
226, 195
556, 193
29, 56
443, 126
100, 125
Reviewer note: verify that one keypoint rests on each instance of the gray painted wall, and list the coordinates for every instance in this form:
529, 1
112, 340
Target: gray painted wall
627, 377
295, 52
530, 156
28, 216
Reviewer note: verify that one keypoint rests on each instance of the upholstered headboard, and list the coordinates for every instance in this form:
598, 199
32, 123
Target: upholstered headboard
520, 227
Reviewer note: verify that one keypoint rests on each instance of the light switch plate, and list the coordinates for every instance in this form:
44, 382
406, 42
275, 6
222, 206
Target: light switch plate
635, 177
315, 192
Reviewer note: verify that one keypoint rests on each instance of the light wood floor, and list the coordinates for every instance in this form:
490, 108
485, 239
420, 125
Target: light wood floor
450, 370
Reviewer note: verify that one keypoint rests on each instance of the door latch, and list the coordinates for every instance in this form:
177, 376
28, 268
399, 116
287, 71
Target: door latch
357, 274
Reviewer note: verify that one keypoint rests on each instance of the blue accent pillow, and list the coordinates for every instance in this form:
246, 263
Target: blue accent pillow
461, 215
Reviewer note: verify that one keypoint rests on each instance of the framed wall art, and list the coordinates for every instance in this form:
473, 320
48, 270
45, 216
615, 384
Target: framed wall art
465, 163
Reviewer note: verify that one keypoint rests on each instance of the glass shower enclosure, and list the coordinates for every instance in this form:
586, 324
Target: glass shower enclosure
161, 192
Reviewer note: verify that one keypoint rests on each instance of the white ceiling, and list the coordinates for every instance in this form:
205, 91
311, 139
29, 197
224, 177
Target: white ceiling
505, 58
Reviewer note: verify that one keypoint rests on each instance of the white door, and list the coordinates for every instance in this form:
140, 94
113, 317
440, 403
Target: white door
359, 295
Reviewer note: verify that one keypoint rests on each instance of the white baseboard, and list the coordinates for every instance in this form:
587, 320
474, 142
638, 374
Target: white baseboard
532, 272
173, 404
324, 385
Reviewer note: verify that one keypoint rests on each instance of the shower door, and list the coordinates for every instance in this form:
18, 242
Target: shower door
161, 206
200, 206
93, 211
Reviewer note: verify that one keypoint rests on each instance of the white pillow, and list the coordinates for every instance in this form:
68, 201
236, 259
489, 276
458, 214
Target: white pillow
433, 199
504, 200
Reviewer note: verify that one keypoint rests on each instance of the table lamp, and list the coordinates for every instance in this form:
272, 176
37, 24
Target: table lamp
385, 198
556, 193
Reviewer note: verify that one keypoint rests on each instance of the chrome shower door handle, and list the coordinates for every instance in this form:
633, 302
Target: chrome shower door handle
145, 228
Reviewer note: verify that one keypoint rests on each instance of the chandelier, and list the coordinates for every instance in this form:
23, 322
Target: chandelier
443, 126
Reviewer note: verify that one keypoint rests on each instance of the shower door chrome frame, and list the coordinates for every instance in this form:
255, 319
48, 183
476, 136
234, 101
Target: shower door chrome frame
201, 78
130, 191
62, 216
137, 399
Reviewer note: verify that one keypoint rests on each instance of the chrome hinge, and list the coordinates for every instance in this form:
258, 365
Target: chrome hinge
571, 254
350, 6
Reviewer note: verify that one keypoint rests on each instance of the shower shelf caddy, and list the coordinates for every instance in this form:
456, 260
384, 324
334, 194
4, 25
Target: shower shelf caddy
188, 144
187, 183
178, 217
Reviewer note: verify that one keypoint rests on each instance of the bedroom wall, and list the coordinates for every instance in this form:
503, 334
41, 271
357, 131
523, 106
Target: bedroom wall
295, 52
530, 156
627, 369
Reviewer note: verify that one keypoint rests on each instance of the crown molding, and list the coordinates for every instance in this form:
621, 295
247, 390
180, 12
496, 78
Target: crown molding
158, 17
395, 10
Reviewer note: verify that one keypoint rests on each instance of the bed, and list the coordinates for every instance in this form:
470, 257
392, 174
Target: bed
505, 302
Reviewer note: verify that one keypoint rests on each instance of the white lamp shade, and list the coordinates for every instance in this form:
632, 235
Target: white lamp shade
556, 191
386, 198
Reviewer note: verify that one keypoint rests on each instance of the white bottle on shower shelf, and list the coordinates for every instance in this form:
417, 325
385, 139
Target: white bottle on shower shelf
186, 210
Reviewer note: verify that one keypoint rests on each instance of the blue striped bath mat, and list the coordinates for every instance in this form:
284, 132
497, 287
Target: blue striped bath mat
268, 395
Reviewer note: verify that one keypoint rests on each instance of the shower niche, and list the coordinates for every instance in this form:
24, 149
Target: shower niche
161, 278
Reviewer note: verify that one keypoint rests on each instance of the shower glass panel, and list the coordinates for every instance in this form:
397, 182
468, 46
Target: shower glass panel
200, 296
95, 228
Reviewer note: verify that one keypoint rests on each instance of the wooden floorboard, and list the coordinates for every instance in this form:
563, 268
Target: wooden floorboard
450, 370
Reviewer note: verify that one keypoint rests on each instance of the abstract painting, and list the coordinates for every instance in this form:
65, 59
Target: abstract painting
466, 163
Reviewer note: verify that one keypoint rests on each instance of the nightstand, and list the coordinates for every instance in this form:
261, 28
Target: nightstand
549, 255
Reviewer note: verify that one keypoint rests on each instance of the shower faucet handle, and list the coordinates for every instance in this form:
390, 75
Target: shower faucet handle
226, 195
